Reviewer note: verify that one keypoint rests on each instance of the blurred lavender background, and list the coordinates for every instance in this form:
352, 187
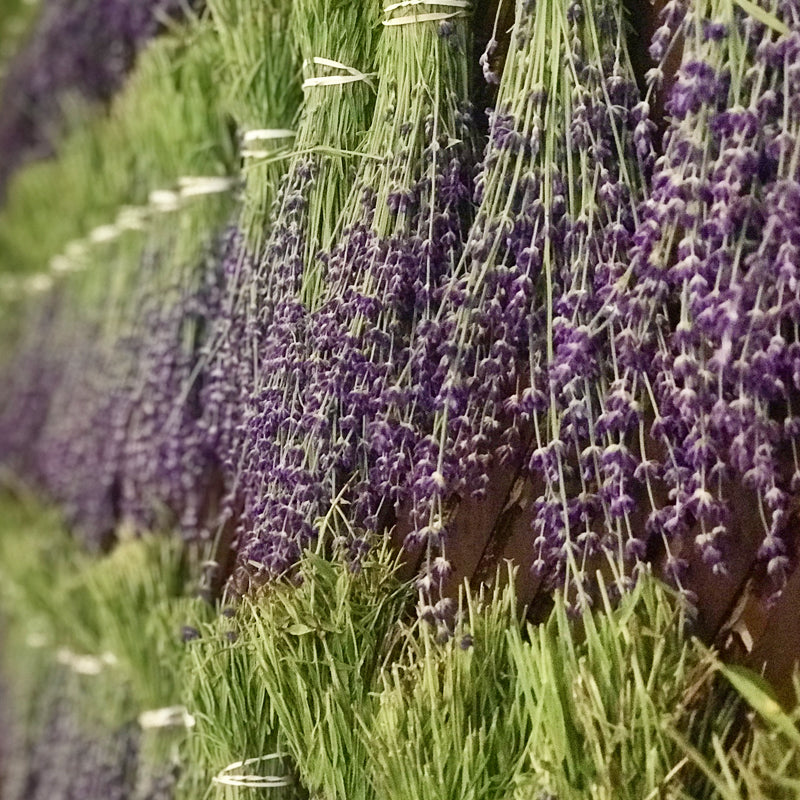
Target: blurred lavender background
75, 50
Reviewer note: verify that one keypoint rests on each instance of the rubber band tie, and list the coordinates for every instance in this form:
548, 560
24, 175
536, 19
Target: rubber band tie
61, 263
461, 5
75, 249
168, 717
353, 75
38, 283
252, 781
131, 218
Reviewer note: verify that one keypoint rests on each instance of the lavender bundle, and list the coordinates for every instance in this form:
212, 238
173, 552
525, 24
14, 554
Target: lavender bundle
68, 760
175, 437
320, 646
168, 461
33, 371
236, 736
258, 53
263, 296
337, 106
519, 359
714, 311
319, 448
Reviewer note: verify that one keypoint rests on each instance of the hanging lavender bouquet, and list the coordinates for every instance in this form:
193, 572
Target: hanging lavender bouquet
712, 318
516, 364
262, 75
120, 441
258, 52
318, 462
263, 304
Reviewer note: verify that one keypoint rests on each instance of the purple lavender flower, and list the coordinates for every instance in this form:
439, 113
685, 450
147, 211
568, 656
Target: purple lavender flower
520, 350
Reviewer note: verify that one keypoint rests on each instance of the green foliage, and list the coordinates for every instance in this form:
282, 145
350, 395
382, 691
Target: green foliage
606, 695
448, 722
105, 630
139, 598
40, 592
617, 703
766, 766
321, 639
16, 19
166, 125
333, 118
234, 716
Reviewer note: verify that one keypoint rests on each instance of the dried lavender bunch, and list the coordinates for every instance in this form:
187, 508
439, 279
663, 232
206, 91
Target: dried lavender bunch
227, 369
78, 47
520, 354
169, 463
127, 401
264, 298
133, 409
31, 373
259, 51
322, 438
64, 758
79, 449
713, 317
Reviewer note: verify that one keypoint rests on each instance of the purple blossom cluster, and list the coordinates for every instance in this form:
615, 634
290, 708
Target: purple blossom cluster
254, 349
329, 434
635, 354
276, 354
58, 755
620, 327
170, 451
77, 47
227, 369
55, 423
79, 449
31, 375
127, 433
712, 318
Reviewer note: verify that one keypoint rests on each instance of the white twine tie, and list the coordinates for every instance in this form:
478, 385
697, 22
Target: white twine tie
196, 185
262, 134
85, 664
